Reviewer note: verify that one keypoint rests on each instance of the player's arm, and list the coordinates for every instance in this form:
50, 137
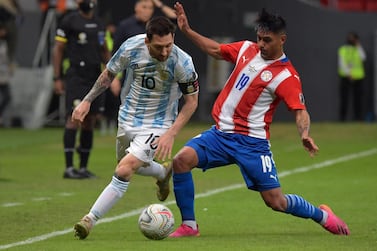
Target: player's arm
166, 141
57, 59
102, 83
186, 112
303, 127
169, 12
206, 44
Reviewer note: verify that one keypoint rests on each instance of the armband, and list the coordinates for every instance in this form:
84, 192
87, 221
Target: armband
189, 88
56, 78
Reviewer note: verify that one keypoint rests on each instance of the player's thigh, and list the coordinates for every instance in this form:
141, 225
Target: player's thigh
138, 141
212, 149
258, 170
122, 143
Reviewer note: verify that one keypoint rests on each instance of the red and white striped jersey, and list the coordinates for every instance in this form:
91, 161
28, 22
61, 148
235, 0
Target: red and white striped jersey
253, 90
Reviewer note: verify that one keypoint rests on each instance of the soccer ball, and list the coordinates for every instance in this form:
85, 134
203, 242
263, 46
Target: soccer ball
156, 221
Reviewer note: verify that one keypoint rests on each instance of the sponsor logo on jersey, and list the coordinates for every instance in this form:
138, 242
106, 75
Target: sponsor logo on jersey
252, 68
147, 152
273, 177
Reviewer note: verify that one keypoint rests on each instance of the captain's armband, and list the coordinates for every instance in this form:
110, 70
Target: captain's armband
189, 87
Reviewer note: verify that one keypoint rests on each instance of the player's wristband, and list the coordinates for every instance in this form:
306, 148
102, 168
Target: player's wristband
56, 78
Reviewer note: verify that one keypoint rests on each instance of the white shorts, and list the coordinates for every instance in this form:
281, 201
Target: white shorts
137, 141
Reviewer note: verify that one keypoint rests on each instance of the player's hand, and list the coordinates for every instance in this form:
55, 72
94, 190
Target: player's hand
310, 146
164, 146
182, 21
80, 111
59, 87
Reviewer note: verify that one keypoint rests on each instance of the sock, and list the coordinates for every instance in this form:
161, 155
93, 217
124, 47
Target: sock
153, 169
109, 196
299, 207
86, 143
184, 195
69, 139
324, 218
191, 223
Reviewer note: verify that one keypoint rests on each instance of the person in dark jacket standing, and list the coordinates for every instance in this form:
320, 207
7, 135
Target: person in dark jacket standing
81, 38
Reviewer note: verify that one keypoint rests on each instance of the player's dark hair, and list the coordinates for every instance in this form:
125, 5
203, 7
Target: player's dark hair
160, 26
270, 23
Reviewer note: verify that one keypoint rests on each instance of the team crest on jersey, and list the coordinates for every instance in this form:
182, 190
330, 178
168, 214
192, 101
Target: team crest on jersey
164, 75
266, 76
82, 38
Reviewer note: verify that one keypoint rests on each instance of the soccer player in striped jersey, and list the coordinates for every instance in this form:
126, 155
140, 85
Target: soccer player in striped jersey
262, 77
158, 74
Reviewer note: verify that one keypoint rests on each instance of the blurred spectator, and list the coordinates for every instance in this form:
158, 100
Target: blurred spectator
5, 72
60, 8
10, 17
135, 24
351, 57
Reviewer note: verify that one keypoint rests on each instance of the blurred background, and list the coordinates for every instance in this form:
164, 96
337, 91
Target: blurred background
316, 29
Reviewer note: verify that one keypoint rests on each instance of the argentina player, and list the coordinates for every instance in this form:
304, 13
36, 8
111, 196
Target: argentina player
158, 74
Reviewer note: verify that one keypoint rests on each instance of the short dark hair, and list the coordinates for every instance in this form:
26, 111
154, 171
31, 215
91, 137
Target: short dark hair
159, 25
270, 22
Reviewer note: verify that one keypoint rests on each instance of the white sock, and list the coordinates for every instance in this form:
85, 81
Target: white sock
324, 218
190, 223
107, 199
154, 169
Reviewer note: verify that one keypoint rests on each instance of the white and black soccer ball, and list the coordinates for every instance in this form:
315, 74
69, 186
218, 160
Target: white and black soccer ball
156, 221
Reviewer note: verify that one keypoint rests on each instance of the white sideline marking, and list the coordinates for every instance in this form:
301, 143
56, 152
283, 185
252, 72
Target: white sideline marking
11, 204
41, 199
201, 195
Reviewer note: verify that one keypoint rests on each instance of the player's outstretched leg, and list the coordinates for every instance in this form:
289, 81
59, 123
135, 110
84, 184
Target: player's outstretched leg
163, 187
333, 223
107, 199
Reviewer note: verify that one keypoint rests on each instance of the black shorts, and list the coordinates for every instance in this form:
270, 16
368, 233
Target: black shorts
76, 89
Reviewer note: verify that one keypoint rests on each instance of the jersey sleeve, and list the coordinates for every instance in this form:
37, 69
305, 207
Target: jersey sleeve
63, 30
119, 61
187, 77
230, 51
290, 91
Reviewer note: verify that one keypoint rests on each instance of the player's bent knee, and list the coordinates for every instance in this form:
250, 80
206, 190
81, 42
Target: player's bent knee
125, 171
182, 164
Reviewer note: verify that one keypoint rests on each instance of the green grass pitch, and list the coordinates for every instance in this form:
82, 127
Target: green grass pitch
38, 207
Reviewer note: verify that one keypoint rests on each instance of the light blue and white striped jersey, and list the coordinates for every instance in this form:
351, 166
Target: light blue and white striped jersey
153, 90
